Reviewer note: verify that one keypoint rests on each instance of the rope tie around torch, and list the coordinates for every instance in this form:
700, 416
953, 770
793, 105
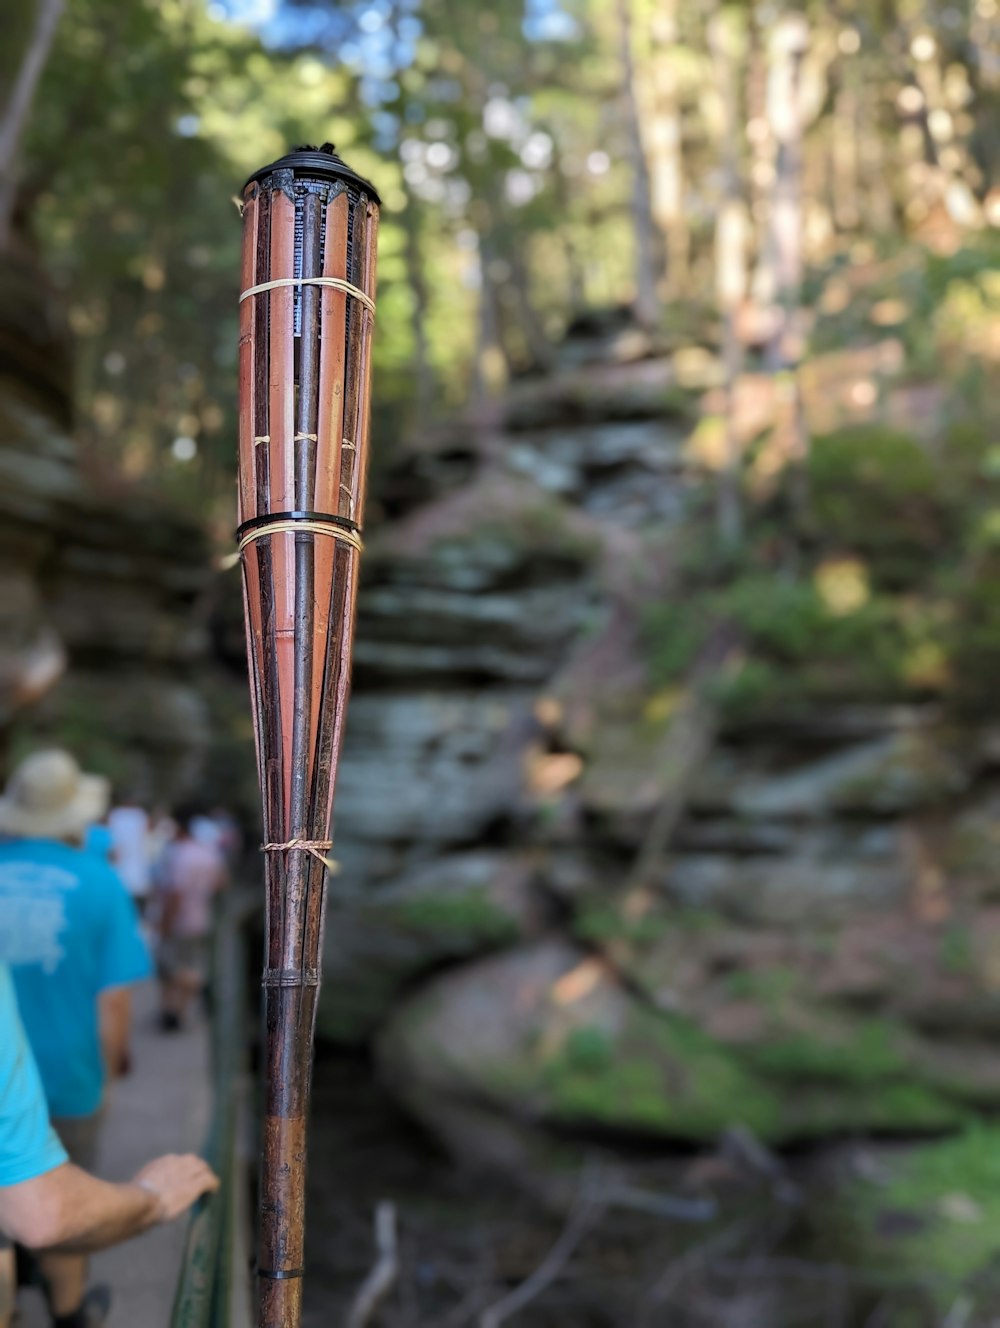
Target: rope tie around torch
335, 283
309, 526
315, 847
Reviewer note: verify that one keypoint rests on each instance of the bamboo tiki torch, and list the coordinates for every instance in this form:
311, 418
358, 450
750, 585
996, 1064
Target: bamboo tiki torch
306, 313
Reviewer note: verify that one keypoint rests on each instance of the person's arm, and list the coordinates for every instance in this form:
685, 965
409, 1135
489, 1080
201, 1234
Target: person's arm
70, 1210
115, 1013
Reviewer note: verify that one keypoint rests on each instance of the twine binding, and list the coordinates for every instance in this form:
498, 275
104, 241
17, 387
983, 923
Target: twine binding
299, 528
290, 977
314, 847
336, 283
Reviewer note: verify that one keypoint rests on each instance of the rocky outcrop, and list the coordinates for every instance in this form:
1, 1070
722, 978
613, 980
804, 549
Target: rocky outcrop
99, 590
812, 952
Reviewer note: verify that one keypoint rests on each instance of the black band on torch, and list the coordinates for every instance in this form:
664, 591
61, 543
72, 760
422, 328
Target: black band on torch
256, 522
280, 1274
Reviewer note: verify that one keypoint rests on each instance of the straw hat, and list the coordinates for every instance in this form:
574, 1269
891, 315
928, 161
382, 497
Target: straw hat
49, 797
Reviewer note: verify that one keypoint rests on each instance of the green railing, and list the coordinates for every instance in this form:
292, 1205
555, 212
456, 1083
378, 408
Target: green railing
213, 1290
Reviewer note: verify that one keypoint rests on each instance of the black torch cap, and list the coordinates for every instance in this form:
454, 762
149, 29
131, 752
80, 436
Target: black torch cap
316, 164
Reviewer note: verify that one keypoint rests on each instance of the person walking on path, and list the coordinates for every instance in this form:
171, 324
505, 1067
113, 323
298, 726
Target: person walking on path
71, 935
45, 1201
131, 849
193, 872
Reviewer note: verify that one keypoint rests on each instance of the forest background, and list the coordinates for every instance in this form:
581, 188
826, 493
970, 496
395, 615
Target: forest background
676, 734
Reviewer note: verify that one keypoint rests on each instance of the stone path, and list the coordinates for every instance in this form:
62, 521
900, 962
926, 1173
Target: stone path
162, 1107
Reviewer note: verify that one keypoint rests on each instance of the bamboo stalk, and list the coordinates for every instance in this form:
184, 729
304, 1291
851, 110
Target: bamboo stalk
347, 504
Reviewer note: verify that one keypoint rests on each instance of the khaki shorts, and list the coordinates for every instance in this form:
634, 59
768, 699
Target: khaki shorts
80, 1136
183, 954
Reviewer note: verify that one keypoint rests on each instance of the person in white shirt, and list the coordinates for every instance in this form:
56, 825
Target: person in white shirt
193, 872
129, 826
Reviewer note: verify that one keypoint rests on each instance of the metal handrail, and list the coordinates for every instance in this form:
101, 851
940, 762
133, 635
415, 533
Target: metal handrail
213, 1289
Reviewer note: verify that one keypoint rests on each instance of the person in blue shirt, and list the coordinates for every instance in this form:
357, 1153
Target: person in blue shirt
45, 1200
70, 932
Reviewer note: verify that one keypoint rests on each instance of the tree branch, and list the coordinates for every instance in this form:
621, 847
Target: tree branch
15, 113
384, 1272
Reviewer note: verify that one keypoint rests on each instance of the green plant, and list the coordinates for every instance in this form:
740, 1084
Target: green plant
878, 492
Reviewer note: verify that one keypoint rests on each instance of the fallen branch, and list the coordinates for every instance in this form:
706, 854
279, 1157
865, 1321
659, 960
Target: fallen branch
686, 746
384, 1271
586, 1212
671, 1206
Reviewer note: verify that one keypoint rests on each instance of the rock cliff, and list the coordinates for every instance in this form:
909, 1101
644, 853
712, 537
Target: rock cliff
807, 946
99, 590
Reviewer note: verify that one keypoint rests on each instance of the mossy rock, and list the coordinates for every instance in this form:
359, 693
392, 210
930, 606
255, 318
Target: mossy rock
933, 1210
547, 1034
446, 910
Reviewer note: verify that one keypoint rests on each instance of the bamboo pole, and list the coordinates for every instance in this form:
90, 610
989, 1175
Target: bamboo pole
305, 331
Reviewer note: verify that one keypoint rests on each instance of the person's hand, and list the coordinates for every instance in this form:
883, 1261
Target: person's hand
176, 1181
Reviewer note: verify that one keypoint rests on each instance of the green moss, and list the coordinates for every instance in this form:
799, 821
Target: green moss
819, 1110
955, 950
771, 985
605, 922
849, 1054
673, 634
950, 1191
599, 920
589, 1050
663, 1075
469, 913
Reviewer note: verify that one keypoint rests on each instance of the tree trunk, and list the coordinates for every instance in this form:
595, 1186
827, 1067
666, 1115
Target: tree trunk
538, 345
784, 110
14, 119
845, 154
787, 49
731, 236
647, 303
666, 152
490, 363
762, 281
423, 391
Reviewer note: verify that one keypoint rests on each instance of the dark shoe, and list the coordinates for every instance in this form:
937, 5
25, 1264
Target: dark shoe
170, 1023
93, 1312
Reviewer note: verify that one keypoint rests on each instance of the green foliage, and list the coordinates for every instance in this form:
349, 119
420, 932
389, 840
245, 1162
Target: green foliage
976, 632
956, 950
602, 920
782, 617
673, 634
950, 1193
467, 913
800, 647
662, 1075
866, 1053
771, 985
605, 922
589, 1050
879, 493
